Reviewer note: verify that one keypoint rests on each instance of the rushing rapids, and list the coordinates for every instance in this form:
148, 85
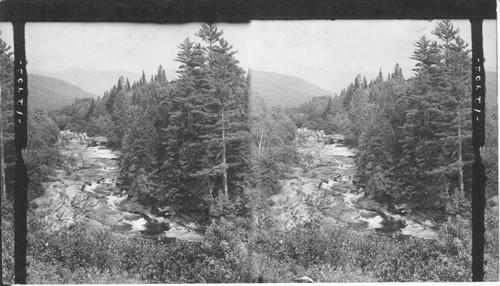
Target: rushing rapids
324, 188
86, 192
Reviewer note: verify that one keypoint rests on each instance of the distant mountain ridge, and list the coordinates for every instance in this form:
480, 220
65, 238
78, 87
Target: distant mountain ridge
96, 82
52, 93
283, 90
277, 89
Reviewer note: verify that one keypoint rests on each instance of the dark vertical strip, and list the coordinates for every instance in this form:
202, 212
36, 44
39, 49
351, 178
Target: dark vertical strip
21, 135
478, 134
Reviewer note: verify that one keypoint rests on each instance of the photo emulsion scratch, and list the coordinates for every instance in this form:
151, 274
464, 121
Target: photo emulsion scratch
271, 151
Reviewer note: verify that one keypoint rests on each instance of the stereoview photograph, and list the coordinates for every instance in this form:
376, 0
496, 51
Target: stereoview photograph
271, 151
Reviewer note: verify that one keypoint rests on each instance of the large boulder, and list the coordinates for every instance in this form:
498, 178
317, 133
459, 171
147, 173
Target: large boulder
94, 224
349, 216
105, 215
368, 204
132, 206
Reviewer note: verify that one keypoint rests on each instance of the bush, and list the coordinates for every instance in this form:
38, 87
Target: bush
310, 248
80, 251
232, 253
491, 247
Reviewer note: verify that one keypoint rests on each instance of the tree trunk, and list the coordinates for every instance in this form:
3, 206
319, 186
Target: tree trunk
261, 140
224, 167
446, 187
2, 163
460, 171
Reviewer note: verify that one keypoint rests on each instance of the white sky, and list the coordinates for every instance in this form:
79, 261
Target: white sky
326, 53
331, 53
53, 47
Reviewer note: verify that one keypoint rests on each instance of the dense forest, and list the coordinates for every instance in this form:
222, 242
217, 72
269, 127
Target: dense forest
205, 143
184, 140
414, 135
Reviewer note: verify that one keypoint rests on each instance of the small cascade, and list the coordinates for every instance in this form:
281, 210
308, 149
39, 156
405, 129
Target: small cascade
373, 222
137, 225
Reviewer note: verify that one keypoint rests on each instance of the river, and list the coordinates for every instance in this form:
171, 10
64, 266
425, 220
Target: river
85, 191
323, 187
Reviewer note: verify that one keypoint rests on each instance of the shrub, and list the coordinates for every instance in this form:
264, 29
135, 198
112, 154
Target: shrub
231, 253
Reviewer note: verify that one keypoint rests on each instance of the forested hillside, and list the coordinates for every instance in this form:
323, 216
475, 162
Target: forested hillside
51, 93
283, 90
95, 82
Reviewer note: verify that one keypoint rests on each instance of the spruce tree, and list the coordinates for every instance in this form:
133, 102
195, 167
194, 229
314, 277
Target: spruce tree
398, 73
380, 77
420, 147
454, 127
178, 135
228, 88
365, 83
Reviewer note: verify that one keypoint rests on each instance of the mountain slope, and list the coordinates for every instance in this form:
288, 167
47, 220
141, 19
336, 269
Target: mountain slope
283, 90
96, 82
51, 93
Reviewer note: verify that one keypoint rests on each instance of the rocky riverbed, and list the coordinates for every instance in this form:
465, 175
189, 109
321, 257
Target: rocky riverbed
86, 192
324, 188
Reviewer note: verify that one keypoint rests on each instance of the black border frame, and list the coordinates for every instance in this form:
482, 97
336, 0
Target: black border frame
181, 11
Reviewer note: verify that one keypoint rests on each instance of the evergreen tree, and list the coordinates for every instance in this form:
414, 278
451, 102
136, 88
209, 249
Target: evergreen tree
161, 76
398, 73
376, 156
419, 144
347, 96
454, 88
110, 99
91, 109
380, 77
358, 82
179, 136
120, 85
209, 34
143, 80
365, 84
127, 85
228, 86
206, 136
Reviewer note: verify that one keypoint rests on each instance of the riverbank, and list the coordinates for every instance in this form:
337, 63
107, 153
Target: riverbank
85, 191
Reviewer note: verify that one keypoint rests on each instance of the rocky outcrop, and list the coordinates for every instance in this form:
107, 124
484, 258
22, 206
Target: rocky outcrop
64, 204
78, 195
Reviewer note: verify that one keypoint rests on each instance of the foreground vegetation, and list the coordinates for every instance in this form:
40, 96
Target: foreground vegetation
233, 253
